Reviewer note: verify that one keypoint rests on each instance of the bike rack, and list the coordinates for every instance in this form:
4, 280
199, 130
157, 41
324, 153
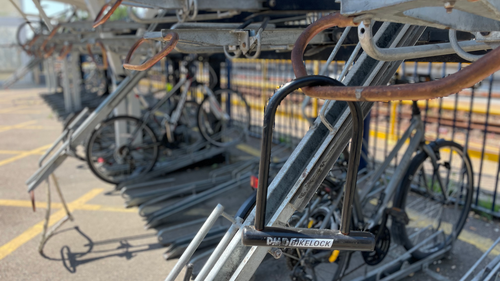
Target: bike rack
191, 157
402, 266
234, 37
79, 134
310, 162
161, 216
490, 272
20, 73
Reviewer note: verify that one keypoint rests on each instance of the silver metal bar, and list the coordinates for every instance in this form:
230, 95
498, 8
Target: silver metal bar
223, 36
22, 15
161, 215
452, 34
40, 161
411, 52
178, 226
186, 256
284, 191
88, 125
398, 174
205, 5
494, 272
43, 15
281, 201
380, 170
335, 50
471, 270
218, 251
349, 62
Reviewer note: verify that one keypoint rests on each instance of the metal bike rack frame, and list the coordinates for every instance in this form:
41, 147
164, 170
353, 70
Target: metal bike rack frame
404, 271
83, 131
294, 185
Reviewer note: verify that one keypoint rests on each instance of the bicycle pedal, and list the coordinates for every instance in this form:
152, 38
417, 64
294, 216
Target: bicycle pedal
307, 238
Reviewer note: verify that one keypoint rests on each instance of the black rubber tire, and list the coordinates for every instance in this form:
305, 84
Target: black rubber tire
342, 260
199, 116
398, 228
95, 134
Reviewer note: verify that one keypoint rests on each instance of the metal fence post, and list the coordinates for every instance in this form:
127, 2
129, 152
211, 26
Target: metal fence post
229, 67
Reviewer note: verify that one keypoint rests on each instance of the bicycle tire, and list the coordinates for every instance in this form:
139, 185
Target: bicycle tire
92, 141
407, 189
319, 267
205, 119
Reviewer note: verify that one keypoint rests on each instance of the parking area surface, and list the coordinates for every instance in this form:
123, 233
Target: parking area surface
104, 242
107, 241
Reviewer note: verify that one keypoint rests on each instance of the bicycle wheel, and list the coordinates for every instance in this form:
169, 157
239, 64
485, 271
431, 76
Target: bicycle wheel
186, 133
421, 196
228, 129
116, 152
318, 265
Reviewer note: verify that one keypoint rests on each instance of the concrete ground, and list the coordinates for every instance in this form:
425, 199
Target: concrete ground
107, 241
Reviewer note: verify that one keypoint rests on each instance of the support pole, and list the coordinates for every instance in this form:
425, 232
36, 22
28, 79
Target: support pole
77, 81
68, 101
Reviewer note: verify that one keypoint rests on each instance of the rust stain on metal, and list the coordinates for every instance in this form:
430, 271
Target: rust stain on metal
172, 39
103, 53
453, 83
98, 20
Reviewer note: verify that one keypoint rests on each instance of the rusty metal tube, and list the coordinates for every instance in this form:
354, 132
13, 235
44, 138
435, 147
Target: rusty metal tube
43, 50
51, 35
65, 51
172, 39
98, 20
103, 53
453, 83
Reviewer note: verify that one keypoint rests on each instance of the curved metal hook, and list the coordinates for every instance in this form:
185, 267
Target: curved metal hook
98, 20
171, 36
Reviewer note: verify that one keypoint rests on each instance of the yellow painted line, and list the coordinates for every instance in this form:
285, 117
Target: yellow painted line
17, 126
92, 207
24, 154
252, 151
27, 203
33, 231
41, 128
12, 151
84, 207
474, 150
10, 109
480, 242
27, 111
19, 152
248, 149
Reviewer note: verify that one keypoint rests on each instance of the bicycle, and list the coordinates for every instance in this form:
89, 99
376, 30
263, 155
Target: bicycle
124, 147
423, 189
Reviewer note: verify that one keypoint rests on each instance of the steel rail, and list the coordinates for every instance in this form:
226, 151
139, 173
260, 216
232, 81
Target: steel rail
453, 83
172, 39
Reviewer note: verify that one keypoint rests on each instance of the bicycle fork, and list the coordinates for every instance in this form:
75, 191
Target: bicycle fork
281, 237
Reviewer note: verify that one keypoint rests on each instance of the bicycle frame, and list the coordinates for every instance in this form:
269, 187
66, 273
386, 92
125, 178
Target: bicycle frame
417, 140
147, 115
171, 121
